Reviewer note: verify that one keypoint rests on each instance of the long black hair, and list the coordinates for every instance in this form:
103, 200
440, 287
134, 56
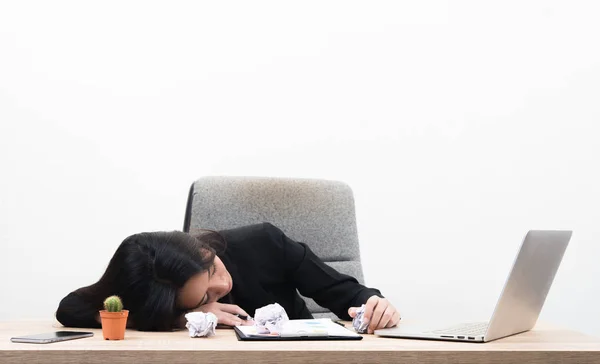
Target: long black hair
147, 271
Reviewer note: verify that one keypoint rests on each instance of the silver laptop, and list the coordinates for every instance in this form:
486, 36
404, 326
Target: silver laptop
521, 299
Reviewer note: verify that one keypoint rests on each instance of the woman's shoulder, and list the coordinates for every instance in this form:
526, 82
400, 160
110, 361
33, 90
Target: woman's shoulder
244, 228
262, 236
247, 232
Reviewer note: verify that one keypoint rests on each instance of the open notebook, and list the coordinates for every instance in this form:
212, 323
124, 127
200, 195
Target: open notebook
315, 329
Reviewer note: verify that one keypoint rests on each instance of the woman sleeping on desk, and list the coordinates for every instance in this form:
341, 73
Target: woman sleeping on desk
161, 276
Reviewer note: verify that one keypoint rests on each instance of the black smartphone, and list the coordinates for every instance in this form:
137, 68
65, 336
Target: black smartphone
51, 337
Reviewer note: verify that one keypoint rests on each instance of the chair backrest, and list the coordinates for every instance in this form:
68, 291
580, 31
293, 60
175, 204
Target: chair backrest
319, 213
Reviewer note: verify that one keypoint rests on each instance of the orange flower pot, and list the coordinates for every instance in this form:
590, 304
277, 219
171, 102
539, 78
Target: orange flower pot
113, 324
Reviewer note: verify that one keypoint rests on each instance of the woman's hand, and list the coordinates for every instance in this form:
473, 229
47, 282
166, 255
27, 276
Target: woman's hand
225, 313
379, 312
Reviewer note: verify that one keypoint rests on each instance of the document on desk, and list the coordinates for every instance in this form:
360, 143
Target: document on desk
314, 329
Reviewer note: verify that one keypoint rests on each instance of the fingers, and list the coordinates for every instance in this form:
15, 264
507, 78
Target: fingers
230, 315
248, 322
226, 314
369, 308
352, 311
229, 319
395, 319
386, 317
232, 309
378, 312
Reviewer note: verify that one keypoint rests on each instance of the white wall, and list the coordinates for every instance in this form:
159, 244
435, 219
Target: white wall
460, 125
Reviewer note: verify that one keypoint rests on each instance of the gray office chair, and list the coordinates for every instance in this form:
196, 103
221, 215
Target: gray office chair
319, 213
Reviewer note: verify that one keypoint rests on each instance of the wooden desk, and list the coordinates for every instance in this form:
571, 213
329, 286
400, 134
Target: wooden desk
541, 345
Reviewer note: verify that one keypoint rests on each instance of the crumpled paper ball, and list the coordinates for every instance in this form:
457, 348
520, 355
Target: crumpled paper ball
201, 324
270, 319
360, 323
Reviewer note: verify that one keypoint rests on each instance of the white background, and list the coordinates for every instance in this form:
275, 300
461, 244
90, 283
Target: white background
459, 125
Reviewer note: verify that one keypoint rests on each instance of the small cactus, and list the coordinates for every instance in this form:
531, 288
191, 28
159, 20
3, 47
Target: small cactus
113, 304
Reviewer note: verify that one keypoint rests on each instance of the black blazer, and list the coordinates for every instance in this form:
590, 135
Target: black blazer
269, 267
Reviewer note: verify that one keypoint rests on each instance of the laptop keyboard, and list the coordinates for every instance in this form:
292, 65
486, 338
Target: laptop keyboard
473, 329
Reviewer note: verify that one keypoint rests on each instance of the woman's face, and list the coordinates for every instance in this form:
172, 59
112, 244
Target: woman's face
206, 287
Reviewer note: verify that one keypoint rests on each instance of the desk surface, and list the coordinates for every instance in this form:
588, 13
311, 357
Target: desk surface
544, 344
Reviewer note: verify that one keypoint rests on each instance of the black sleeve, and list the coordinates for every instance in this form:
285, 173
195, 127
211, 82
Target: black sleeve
315, 279
75, 311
